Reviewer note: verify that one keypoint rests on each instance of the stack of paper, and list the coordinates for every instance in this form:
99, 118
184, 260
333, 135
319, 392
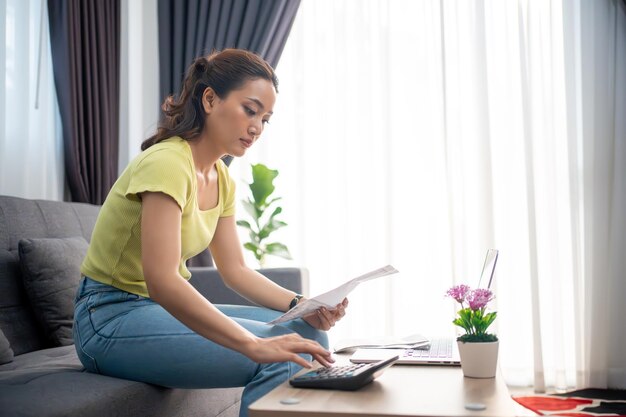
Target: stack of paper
414, 341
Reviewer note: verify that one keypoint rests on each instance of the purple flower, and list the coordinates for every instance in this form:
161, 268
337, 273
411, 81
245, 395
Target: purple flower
472, 317
479, 298
458, 292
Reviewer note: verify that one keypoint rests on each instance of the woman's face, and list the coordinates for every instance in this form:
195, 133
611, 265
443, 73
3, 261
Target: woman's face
234, 123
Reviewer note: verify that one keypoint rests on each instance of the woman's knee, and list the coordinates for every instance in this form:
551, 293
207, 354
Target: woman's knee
307, 331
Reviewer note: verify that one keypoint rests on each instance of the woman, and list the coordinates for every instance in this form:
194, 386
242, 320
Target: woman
136, 315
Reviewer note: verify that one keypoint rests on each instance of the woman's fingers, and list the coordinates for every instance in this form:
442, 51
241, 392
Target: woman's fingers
342, 307
300, 361
326, 318
326, 361
337, 313
331, 317
315, 350
340, 311
286, 348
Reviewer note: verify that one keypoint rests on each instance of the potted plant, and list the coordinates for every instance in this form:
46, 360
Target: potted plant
478, 349
258, 205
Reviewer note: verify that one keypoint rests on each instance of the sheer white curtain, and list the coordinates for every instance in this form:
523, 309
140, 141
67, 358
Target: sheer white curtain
598, 120
421, 133
31, 149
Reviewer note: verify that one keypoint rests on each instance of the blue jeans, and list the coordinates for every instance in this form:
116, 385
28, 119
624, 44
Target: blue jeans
128, 336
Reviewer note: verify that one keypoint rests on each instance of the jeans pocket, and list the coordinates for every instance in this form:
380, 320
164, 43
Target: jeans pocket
106, 311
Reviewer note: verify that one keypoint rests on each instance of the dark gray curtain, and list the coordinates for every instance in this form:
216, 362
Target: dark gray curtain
191, 28
85, 40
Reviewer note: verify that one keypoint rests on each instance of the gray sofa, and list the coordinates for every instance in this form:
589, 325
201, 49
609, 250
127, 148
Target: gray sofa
41, 245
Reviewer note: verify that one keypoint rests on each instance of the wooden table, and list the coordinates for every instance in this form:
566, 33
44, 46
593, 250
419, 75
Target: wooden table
401, 390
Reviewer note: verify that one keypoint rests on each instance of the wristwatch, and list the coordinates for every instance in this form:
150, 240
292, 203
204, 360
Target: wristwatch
295, 301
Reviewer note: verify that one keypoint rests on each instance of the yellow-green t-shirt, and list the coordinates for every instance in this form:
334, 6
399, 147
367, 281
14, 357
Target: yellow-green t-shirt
114, 255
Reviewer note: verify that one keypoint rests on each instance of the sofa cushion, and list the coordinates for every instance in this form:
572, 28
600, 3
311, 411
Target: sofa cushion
51, 272
6, 353
52, 382
23, 218
17, 319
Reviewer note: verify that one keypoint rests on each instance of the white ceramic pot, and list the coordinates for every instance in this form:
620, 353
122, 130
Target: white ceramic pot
479, 360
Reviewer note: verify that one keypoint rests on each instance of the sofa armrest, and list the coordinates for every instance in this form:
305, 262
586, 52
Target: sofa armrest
209, 282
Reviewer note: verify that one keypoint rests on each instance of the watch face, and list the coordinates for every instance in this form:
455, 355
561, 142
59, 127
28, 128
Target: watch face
295, 301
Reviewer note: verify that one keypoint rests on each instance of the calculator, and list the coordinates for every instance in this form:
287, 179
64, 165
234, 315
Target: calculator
345, 377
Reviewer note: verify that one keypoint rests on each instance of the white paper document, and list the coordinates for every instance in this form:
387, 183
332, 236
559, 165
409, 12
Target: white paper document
331, 298
414, 341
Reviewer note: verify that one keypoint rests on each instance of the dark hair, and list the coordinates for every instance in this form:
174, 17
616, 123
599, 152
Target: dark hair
224, 72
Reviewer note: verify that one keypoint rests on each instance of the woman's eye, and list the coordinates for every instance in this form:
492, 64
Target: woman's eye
266, 122
249, 111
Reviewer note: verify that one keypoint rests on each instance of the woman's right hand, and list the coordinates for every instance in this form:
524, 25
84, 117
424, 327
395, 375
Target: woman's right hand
286, 348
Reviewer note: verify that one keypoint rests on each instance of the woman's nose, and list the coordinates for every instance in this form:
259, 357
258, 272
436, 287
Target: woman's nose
254, 130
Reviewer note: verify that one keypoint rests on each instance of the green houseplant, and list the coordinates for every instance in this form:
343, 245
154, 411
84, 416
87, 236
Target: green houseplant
263, 212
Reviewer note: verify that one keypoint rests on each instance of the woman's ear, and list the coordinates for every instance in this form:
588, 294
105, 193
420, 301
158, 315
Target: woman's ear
208, 99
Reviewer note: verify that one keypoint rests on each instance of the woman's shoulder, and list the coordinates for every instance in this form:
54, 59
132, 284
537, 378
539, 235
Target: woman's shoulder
175, 143
172, 149
163, 167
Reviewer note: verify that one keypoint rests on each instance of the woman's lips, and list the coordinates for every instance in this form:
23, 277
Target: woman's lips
246, 142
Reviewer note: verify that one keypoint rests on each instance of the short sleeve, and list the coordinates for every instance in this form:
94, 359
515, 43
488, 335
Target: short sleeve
163, 170
229, 191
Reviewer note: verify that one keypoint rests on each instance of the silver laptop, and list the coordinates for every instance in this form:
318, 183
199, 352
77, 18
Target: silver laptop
439, 351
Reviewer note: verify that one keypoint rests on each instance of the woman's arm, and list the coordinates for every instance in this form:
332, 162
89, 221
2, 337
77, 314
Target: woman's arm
160, 257
228, 256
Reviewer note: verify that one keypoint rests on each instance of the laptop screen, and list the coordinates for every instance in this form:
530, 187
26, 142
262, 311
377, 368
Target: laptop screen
489, 267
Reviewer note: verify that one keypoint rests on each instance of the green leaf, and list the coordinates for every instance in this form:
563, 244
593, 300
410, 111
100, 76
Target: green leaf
254, 249
262, 183
251, 246
465, 318
251, 209
277, 224
489, 318
461, 324
276, 211
244, 223
278, 249
270, 227
475, 318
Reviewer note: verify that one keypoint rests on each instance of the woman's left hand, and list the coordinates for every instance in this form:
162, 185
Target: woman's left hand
324, 319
